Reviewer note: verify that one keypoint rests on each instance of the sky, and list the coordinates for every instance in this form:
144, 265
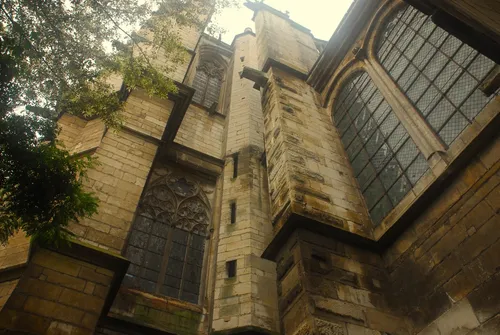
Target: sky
320, 16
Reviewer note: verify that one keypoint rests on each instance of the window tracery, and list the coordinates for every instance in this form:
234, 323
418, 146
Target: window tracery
208, 83
167, 241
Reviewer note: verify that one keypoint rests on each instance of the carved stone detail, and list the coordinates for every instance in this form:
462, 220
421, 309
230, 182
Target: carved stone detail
328, 328
176, 201
211, 69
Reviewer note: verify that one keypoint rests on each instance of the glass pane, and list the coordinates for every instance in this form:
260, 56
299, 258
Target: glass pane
381, 158
354, 148
474, 104
371, 142
427, 102
407, 153
135, 255
170, 291
178, 251
366, 176
440, 114
380, 211
174, 268
448, 76
138, 239
399, 67
436, 65
389, 124
437, 37
397, 138
198, 242
408, 77
480, 67
431, 64
462, 89
153, 261
374, 143
464, 55
146, 285
199, 84
453, 128
399, 190
157, 245
373, 193
424, 55
417, 169
418, 88
390, 174
360, 162
189, 297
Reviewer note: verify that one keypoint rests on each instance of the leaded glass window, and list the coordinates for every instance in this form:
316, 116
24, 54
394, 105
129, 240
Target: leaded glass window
385, 160
207, 83
440, 74
167, 241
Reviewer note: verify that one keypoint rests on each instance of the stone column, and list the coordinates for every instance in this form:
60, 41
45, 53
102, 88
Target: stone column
247, 300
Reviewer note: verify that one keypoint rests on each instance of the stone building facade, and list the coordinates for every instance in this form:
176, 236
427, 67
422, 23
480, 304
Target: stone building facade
292, 186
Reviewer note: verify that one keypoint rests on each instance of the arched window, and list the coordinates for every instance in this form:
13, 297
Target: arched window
167, 241
207, 83
440, 74
385, 160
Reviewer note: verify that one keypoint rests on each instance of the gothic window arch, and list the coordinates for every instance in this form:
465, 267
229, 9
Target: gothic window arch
439, 74
208, 82
385, 160
167, 240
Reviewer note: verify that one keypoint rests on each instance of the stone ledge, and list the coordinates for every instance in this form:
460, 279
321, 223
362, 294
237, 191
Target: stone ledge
247, 330
384, 236
99, 257
117, 324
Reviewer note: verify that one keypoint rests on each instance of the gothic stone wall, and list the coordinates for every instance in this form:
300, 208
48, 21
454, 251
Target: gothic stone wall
283, 40
444, 270
56, 295
124, 159
202, 131
308, 169
327, 287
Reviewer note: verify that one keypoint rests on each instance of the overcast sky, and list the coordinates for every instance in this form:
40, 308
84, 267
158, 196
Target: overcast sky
321, 16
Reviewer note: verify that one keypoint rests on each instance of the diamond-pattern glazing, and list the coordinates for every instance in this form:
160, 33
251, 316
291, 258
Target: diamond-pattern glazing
378, 146
439, 73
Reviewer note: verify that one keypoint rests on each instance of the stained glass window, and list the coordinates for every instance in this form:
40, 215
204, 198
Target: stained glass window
207, 83
385, 160
440, 74
167, 242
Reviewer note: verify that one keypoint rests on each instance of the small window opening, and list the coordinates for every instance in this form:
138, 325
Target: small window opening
235, 165
231, 269
233, 212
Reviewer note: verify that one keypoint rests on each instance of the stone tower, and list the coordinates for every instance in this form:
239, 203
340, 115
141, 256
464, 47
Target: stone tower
291, 186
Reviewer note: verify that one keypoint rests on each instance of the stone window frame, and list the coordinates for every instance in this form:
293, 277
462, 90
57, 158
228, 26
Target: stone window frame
364, 57
213, 71
392, 164
175, 172
218, 67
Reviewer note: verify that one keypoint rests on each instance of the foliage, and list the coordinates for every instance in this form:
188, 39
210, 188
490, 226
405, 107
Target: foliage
55, 58
41, 185
62, 49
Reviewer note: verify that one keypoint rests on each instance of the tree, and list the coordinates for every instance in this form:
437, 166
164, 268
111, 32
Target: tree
55, 58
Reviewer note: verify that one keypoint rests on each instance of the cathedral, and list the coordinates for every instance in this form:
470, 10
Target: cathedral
290, 186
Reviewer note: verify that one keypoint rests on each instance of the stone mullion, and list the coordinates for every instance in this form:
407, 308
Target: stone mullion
163, 269
190, 237
424, 137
